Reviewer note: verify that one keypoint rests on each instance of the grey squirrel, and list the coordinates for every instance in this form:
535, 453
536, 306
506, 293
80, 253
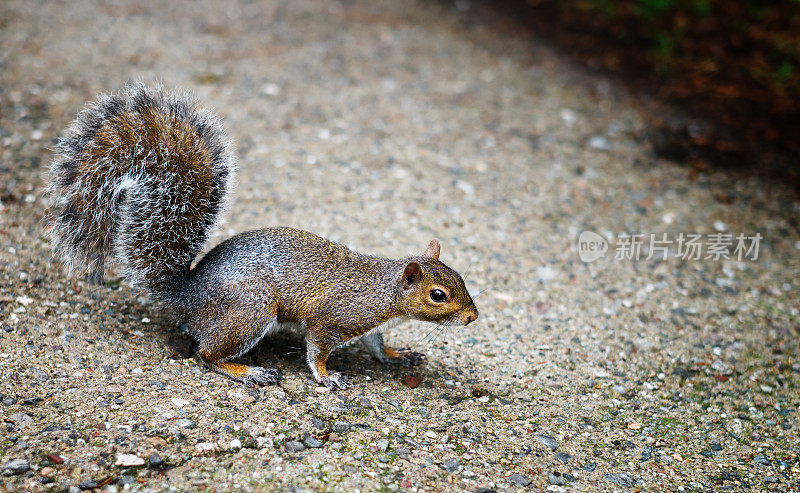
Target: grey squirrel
142, 177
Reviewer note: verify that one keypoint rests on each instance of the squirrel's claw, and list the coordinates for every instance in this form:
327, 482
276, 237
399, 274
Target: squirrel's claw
257, 375
335, 381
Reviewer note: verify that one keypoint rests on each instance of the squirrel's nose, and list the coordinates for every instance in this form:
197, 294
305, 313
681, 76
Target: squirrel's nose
471, 317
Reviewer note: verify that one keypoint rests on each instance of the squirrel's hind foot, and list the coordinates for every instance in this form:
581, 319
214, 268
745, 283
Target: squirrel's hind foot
335, 380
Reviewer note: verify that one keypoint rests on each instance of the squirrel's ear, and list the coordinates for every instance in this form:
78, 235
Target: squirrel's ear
433, 250
411, 275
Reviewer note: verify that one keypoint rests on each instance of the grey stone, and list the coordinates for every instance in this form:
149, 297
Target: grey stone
341, 426
294, 446
762, 459
546, 440
15, 466
519, 480
21, 418
451, 465
127, 479
155, 460
312, 442
186, 423
556, 478
621, 479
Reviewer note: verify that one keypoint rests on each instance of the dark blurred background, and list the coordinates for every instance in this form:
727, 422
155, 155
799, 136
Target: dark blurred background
732, 68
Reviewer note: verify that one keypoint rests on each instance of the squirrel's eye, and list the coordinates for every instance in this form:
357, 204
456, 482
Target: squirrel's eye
438, 295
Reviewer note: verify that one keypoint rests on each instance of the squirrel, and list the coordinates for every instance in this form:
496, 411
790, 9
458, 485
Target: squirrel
143, 175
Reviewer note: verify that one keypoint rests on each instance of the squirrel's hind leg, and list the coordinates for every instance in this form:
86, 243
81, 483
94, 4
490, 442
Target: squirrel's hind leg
229, 326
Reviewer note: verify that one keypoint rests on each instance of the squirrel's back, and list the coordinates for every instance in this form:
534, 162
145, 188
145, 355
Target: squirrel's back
141, 176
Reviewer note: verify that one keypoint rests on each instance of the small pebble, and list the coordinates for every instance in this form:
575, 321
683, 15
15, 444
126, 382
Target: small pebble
185, 423
203, 448
179, 402
155, 460
341, 426
556, 478
21, 418
126, 479
519, 480
294, 446
621, 479
451, 465
762, 459
128, 460
312, 442
15, 466
546, 440
89, 484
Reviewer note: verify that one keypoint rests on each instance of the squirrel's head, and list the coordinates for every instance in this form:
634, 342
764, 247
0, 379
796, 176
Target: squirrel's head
431, 291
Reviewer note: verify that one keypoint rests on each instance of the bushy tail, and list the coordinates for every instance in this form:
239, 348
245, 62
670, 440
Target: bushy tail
141, 176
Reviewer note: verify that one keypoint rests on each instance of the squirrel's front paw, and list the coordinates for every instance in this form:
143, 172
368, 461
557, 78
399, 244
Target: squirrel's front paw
405, 357
335, 380
257, 375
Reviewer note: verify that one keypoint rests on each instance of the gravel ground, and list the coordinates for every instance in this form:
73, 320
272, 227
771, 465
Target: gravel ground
381, 125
